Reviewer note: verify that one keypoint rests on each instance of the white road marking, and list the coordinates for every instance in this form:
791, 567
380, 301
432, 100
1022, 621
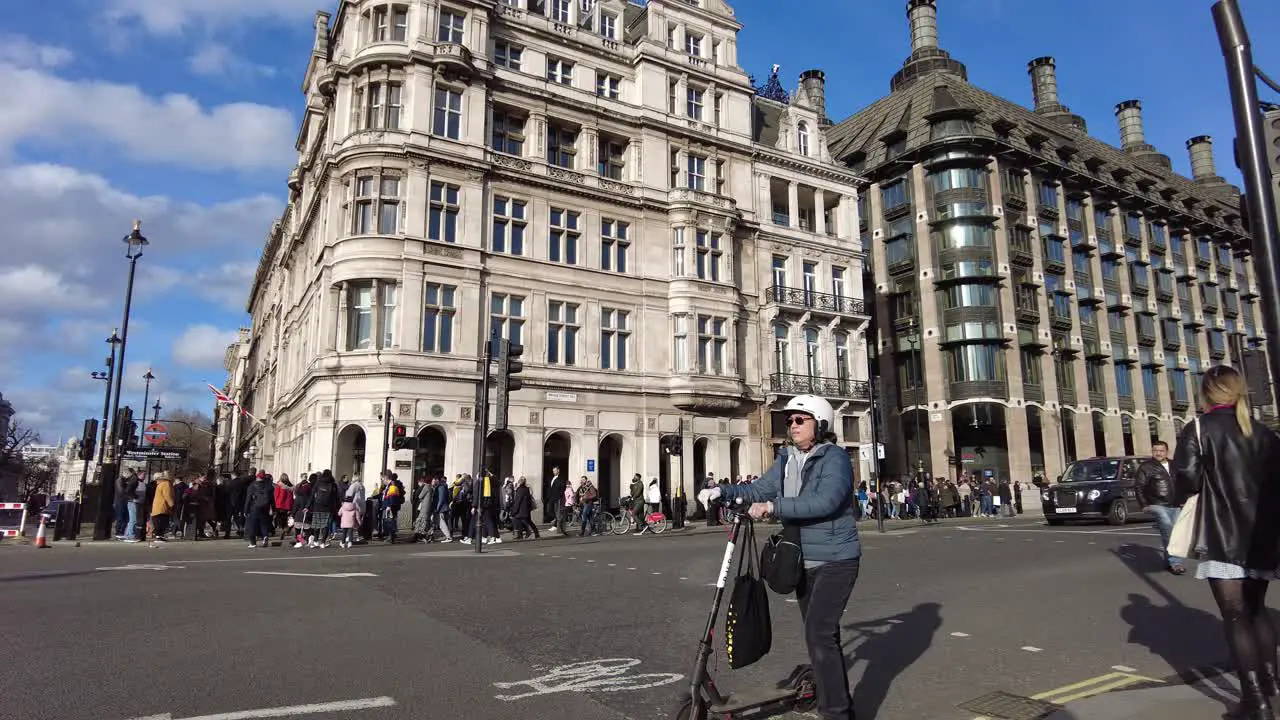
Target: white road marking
631, 568
542, 554
613, 564
709, 585
1124, 668
571, 558
290, 711
319, 575
593, 676
590, 561
656, 573
894, 621
792, 600
142, 567
556, 557
1032, 648
270, 559
684, 578
959, 634
1065, 532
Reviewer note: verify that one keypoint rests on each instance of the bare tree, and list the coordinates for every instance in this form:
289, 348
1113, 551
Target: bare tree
39, 476
190, 430
13, 469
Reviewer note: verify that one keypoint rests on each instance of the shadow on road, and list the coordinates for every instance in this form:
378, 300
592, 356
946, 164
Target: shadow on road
1189, 639
888, 646
46, 575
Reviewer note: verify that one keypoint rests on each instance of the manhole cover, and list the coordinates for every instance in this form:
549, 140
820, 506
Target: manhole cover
1007, 706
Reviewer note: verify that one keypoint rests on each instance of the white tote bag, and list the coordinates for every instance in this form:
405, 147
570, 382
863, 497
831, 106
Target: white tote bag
1186, 531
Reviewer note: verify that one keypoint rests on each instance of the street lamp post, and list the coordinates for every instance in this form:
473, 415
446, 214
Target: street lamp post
146, 395
134, 242
108, 377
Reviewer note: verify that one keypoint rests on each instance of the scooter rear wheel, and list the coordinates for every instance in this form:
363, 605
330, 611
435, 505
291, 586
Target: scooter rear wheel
686, 711
806, 692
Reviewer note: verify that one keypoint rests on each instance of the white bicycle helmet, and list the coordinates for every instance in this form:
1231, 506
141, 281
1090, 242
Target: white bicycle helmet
817, 408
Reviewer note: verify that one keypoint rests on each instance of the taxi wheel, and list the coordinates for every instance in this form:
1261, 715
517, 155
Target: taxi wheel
1118, 514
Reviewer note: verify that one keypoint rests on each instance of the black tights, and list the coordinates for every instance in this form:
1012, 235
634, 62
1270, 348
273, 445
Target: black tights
1250, 633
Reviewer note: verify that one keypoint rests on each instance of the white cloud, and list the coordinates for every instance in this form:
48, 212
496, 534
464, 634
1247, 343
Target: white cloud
174, 129
218, 60
24, 52
58, 265
168, 17
202, 346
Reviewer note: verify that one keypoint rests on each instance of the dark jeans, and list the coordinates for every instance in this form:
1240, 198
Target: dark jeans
822, 600
258, 525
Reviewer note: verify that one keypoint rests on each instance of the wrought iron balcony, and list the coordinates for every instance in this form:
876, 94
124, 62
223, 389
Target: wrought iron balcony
820, 302
828, 387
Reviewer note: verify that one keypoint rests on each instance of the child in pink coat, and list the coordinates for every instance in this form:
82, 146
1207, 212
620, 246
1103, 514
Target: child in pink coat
349, 520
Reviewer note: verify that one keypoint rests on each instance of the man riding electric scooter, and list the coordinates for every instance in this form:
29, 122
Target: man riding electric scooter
810, 487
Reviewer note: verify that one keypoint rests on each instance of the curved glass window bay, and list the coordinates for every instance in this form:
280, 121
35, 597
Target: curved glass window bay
964, 235
961, 332
970, 363
970, 295
961, 209
968, 268
956, 178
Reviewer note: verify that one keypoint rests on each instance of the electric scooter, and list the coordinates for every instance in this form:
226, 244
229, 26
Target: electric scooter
705, 701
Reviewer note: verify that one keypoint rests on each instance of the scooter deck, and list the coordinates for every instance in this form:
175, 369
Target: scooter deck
753, 699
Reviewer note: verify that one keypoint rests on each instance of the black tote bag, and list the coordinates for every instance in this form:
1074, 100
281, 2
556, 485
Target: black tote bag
748, 629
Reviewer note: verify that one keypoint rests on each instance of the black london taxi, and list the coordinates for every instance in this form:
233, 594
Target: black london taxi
1100, 488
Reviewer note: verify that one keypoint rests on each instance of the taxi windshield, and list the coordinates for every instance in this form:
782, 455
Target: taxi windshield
1095, 470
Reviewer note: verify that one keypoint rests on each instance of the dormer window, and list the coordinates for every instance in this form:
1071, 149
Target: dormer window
802, 138
693, 44
609, 26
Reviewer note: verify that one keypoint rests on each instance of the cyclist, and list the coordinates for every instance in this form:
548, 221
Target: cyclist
811, 485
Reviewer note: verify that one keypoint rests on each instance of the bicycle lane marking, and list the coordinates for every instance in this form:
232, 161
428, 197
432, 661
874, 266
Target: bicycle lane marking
590, 676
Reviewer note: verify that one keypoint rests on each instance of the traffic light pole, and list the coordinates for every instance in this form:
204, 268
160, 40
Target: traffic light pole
482, 435
386, 434
875, 454
1253, 158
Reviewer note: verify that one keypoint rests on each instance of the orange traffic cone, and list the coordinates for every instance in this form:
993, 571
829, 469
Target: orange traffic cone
41, 541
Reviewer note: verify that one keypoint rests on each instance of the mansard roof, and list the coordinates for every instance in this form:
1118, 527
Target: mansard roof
1041, 143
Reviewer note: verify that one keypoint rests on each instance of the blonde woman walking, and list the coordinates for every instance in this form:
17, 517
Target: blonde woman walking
1231, 463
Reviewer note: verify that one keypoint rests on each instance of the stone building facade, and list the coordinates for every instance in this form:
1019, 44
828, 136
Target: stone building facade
600, 182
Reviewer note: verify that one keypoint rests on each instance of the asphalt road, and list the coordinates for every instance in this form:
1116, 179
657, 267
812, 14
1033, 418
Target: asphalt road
942, 615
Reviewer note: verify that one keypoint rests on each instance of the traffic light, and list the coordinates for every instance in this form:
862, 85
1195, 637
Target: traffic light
509, 366
126, 429
399, 437
89, 439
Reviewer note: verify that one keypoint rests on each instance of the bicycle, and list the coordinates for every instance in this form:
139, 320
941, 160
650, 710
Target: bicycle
654, 521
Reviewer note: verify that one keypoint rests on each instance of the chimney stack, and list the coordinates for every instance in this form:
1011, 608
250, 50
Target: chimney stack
923, 16
1132, 137
1044, 84
321, 46
1203, 171
1044, 90
814, 84
926, 56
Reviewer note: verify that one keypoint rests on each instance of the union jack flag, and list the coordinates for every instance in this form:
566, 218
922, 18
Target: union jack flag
224, 399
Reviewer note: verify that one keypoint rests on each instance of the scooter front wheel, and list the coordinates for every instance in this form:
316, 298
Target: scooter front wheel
686, 711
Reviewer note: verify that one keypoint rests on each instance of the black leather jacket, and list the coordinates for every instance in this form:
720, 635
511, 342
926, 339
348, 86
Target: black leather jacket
1153, 484
1239, 507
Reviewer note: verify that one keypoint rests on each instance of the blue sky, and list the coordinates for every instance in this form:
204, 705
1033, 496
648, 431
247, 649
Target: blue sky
184, 112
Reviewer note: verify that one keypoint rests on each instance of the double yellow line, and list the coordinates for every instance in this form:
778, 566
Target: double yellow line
1091, 688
